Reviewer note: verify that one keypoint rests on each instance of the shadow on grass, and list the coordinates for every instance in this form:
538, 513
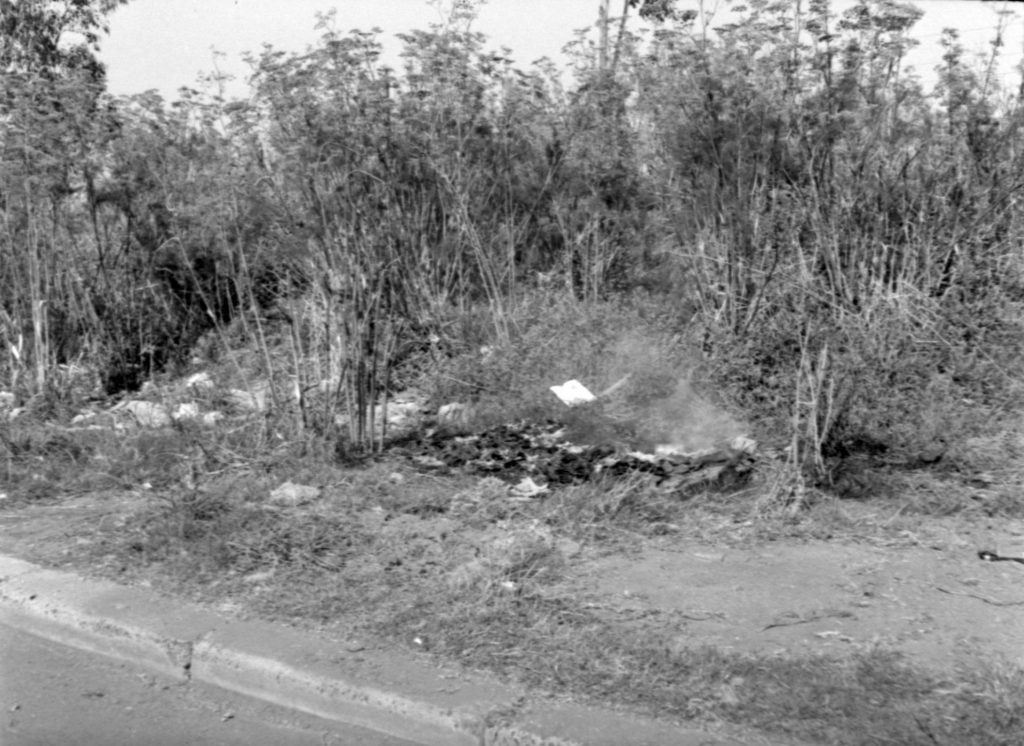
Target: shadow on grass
871, 697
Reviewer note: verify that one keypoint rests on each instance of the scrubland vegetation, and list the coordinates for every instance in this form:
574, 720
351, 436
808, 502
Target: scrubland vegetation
794, 219
803, 227
773, 211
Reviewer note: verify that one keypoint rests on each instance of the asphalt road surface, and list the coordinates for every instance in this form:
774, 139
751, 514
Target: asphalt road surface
52, 695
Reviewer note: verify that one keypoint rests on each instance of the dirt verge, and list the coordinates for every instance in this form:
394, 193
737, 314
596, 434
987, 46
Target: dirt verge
708, 618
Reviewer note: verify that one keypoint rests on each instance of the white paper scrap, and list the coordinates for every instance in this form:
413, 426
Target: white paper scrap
572, 393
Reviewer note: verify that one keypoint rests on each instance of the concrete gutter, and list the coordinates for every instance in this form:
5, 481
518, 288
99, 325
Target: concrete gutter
394, 693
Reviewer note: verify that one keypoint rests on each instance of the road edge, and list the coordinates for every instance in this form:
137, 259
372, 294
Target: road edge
390, 692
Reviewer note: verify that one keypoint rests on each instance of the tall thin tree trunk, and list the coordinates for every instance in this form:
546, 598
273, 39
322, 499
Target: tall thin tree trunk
602, 19
618, 38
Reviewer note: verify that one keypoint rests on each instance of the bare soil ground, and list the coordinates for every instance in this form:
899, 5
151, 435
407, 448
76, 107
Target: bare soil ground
930, 599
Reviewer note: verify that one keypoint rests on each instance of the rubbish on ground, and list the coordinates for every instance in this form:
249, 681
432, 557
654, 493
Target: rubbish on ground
403, 413
453, 413
200, 381
572, 393
528, 488
186, 411
148, 414
743, 444
293, 495
246, 401
542, 453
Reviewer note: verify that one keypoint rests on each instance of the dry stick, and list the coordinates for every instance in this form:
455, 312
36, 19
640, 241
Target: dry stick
986, 599
39, 298
839, 614
299, 386
808, 620
391, 342
615, 386
371, 343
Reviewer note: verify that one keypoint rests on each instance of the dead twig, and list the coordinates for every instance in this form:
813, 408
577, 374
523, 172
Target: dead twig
986, 599
838, 614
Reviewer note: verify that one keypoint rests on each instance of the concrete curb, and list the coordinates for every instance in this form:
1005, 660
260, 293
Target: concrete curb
393, 693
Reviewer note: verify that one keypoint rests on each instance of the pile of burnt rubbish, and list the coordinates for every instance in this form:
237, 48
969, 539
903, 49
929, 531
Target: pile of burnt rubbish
544, 453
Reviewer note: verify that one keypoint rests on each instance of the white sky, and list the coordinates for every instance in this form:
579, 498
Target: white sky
166, 44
